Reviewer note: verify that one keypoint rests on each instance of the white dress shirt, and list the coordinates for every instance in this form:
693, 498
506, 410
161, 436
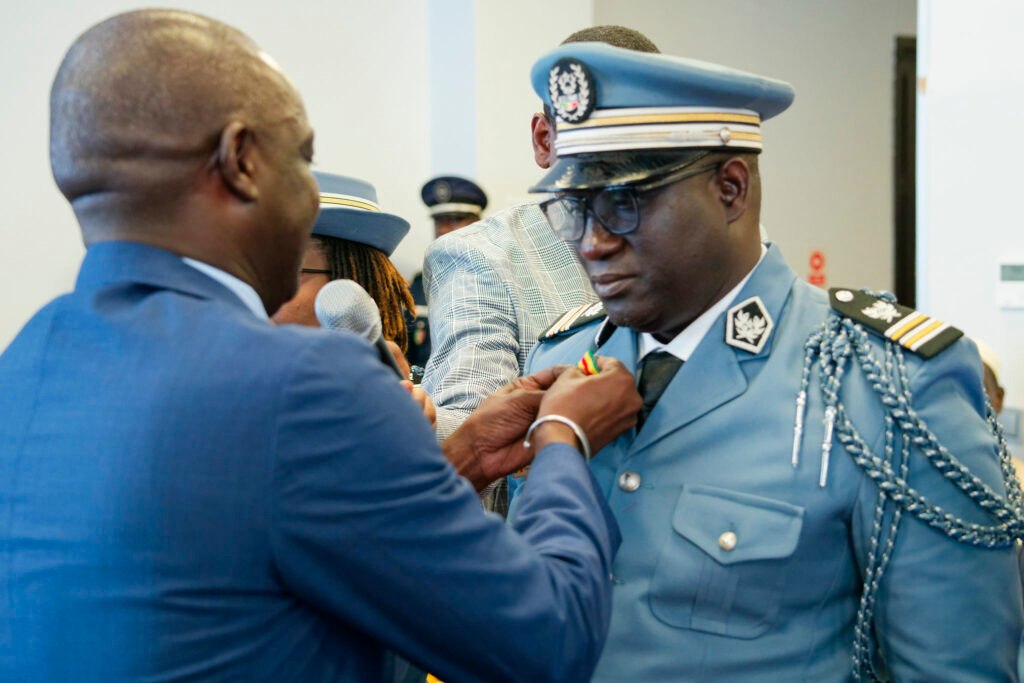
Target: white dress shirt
242, 290
685, 343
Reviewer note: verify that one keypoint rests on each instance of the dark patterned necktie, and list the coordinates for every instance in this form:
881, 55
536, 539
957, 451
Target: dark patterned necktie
656, 371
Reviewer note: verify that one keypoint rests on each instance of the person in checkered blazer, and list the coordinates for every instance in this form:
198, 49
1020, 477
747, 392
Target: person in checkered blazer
495, 286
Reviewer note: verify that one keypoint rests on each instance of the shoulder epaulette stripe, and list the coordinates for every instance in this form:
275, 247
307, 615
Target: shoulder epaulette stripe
905, 325
913, 330
942, 327
567, 318
911, 340
574, 318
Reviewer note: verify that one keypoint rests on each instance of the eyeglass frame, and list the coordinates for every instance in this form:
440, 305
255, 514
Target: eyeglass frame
586, 198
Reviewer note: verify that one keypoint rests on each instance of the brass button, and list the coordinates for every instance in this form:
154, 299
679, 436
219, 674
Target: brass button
727, 541
629, 481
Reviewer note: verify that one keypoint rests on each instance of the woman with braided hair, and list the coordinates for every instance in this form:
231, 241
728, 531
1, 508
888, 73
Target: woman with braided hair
352, 239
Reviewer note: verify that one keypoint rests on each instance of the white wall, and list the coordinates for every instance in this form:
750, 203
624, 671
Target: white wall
971, 90
827, 164
480, 96
362, 70
509, 39
394, 101
391, 95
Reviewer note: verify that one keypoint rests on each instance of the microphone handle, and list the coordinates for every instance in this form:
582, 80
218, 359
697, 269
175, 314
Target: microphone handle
388, 358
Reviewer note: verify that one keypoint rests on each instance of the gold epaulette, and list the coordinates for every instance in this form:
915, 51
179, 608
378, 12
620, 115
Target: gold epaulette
913, 330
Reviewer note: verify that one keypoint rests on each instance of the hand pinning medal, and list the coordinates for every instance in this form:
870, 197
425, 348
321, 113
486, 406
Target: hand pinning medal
588, 364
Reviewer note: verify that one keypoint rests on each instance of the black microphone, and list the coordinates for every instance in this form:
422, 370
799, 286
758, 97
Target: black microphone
344, 305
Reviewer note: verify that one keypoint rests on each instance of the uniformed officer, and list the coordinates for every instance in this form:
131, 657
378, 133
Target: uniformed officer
454, 203
816, 488
353, 239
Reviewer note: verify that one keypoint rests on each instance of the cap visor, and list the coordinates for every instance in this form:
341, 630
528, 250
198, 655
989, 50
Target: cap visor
607, 169
374, 228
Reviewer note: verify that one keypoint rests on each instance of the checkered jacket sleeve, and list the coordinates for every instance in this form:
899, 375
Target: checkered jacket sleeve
494, 287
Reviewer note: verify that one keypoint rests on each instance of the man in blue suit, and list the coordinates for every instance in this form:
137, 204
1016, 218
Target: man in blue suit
816, 489
190, 493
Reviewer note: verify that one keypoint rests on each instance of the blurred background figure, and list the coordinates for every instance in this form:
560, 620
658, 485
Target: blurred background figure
352, 239
454, 203
991, 371
991, 367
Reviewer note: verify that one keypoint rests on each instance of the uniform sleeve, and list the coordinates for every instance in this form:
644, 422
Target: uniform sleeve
375, 529
473, 327
946, 610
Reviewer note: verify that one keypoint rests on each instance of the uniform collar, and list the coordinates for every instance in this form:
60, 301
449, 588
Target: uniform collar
683, 344
715, 372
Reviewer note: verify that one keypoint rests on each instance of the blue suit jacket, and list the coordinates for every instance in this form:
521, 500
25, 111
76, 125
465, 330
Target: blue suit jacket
187, 492
714, 457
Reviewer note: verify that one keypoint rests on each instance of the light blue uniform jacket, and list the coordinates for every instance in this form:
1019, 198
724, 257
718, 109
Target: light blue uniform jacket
714, 457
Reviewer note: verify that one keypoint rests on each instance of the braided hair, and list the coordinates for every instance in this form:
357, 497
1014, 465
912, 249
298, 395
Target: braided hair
374, 271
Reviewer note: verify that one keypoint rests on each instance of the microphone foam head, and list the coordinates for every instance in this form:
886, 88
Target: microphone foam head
344, 305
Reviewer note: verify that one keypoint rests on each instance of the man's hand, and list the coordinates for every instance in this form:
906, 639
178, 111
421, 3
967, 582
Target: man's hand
489, 444
421, 397
603, 405
396, 351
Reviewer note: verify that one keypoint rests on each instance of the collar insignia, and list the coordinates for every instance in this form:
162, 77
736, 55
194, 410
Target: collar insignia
748, 325
571, 89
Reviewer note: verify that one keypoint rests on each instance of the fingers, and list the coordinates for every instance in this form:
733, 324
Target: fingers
542, 379
608, 364
604, 405
396, 351
426, 404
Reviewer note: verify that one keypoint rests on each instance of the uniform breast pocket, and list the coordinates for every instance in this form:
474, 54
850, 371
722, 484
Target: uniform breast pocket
724, 568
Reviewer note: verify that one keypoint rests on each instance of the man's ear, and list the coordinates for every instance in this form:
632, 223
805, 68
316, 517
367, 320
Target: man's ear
235, 160
543, 139
733, 184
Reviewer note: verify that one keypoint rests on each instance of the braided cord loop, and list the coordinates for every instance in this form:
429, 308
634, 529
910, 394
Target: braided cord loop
836, 346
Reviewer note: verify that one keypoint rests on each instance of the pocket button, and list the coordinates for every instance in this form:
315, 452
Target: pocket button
629, 481
727, 541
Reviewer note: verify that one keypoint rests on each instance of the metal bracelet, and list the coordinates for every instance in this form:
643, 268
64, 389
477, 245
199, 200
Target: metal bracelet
584, 444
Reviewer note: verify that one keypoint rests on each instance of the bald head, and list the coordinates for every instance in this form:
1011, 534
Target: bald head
174, 130
140, 100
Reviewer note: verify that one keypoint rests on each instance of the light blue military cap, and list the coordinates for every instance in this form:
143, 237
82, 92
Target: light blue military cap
625, 116
349, 210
